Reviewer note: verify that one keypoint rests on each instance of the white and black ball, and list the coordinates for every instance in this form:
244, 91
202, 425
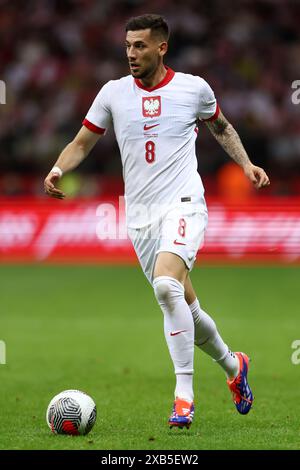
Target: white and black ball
71, 412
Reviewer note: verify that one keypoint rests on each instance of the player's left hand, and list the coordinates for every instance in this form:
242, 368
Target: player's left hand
257, 176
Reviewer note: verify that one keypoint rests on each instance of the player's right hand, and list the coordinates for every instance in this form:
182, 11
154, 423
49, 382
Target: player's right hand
49, 185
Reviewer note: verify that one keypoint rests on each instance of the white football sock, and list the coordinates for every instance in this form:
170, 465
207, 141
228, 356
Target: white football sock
208, 339
184, 387
179, 332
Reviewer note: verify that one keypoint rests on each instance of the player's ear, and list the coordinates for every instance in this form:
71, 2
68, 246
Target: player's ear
163, 48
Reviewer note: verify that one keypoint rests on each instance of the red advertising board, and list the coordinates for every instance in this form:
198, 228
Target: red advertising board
94, 230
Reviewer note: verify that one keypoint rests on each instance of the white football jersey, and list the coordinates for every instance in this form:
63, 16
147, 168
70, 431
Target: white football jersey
156, 130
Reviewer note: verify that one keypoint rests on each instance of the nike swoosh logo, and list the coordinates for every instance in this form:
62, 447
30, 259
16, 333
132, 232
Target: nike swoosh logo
175, 333
147, 128
178, 243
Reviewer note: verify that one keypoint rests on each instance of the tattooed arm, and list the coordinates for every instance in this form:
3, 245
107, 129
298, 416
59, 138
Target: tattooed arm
228, 138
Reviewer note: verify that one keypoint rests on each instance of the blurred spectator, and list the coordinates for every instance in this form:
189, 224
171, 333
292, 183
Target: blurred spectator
233, 185
55, 55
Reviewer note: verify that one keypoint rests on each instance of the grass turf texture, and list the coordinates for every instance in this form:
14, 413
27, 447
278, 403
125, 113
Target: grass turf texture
99, 329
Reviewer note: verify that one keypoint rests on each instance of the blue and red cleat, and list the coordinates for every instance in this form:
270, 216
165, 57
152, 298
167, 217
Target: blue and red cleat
182, 414
239, 387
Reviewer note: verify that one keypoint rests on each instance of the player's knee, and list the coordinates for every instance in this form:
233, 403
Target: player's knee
167, 290
162, 290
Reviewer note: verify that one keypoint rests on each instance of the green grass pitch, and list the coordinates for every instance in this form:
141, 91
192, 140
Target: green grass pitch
98, 329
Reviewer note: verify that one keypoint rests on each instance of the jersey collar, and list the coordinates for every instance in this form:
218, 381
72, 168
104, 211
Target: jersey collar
168, 77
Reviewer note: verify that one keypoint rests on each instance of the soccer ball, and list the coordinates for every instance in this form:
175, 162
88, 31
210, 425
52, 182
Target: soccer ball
71, 412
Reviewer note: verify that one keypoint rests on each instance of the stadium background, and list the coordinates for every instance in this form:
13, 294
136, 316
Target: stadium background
54, 57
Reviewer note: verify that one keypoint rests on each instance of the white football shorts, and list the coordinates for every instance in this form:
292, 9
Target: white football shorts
180, 231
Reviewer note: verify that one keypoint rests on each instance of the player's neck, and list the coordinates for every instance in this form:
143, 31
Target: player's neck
156, 78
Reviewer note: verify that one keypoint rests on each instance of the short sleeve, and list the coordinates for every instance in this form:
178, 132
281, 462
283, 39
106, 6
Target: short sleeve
208, 109
98, 118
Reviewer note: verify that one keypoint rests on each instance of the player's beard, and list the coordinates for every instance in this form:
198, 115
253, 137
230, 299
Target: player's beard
145, 73
139, 74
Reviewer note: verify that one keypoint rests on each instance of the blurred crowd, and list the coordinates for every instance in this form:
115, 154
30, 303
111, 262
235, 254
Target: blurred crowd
56, 54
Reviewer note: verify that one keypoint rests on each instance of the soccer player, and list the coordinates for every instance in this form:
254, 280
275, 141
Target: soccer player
155, 112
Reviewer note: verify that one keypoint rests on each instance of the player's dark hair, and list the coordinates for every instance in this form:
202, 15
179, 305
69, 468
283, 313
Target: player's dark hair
156, 23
